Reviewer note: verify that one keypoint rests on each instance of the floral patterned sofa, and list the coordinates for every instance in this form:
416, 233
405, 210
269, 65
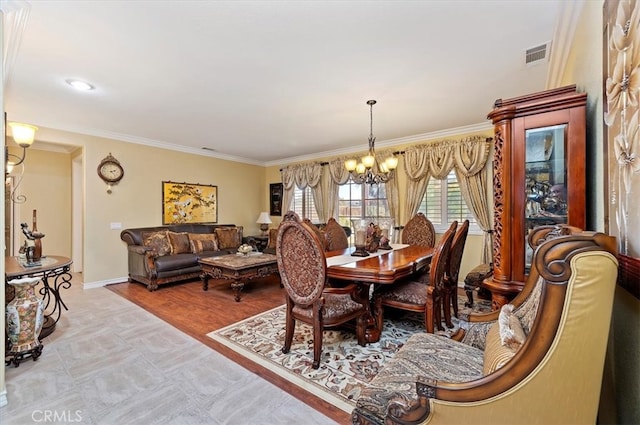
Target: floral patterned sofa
539, 359
165, 254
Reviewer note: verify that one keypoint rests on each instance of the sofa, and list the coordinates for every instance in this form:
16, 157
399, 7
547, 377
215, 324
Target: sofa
166, 254
539, 359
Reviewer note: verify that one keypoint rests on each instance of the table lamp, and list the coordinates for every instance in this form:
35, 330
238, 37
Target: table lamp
264, 221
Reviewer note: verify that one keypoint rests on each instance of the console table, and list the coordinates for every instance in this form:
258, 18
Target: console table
54, 273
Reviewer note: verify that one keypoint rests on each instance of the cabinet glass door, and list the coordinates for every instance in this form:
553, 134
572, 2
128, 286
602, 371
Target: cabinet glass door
545, 180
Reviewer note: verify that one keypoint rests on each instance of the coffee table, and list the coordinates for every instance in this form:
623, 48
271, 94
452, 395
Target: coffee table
238, 268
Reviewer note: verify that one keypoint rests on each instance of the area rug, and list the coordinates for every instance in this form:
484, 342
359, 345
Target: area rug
345, 367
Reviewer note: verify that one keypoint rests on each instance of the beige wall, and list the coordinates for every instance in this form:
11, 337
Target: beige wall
47, 187
136, 200
621, 388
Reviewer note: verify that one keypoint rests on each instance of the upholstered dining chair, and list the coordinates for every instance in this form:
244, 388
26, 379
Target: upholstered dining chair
419, 231
335, 235
319, 233
452, 271
413, 294
303, 273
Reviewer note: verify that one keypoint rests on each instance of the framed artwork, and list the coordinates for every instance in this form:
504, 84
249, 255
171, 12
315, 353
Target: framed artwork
275, 199
189, 203
622, 145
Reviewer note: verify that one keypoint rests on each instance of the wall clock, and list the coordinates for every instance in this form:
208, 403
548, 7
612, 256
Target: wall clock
110, 170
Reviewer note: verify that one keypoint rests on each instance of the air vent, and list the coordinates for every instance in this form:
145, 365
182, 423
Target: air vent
536, 54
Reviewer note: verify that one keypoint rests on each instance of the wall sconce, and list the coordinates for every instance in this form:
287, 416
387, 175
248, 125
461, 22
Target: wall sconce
23, 135
264, 220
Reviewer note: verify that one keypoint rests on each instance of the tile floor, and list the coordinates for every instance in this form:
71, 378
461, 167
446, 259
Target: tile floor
111, 362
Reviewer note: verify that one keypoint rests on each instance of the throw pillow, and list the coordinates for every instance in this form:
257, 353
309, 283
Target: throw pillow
179, 242
158, 241
203, 242
511, 332
496, 355
228, 237
273, 236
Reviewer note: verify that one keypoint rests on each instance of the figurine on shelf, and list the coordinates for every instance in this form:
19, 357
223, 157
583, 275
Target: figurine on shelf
33, 244
556, 202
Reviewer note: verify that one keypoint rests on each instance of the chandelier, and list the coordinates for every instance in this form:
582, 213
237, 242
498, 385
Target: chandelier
368, 170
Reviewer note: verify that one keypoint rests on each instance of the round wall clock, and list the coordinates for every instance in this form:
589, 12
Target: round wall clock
110, 170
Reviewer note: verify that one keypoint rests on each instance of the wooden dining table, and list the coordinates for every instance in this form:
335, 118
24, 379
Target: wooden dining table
384, 269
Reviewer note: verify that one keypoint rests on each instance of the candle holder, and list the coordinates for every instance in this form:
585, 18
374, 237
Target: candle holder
360, 234
386, 225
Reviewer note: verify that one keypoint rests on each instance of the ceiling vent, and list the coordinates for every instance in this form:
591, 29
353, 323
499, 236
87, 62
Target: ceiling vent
536, 54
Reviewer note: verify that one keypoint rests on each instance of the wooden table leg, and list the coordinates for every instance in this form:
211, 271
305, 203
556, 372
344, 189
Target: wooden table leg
373, 331
205, 281
237, 286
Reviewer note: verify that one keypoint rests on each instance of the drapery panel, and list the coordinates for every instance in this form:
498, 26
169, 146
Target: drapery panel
301, 176
337, 175
392, 190
469, 159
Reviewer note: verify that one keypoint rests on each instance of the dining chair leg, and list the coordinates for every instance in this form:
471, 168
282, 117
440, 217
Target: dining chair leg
446, 307
290, 327
454, 299
429, 315
317, 337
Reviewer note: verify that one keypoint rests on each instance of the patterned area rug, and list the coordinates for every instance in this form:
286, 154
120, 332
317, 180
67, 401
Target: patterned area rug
345, 367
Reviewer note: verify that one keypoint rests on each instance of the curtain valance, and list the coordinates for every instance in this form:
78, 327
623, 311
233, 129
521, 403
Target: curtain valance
437, 159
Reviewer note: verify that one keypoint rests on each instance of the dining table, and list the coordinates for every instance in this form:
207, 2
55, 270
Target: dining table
384, 267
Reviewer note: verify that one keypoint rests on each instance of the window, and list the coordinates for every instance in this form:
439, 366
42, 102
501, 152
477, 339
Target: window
303, 204
361, 201
443, 203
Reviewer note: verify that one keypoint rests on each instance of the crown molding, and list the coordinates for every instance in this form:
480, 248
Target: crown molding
15, 14
563, 36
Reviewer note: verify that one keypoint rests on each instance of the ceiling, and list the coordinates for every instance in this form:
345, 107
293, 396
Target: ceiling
266, 82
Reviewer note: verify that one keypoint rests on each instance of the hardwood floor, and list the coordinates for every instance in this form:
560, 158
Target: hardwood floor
196, 312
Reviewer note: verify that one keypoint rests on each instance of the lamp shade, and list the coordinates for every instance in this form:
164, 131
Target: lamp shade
263, 218
23, 134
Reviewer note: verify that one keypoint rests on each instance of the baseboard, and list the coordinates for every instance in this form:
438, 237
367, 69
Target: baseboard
101, 283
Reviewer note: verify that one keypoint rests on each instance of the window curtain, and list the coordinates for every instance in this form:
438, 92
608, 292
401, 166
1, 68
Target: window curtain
337, 174
416, 166
303, 175
288, 186
391, 188
469, 158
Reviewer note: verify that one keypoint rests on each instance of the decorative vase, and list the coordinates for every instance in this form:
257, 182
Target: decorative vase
25, 317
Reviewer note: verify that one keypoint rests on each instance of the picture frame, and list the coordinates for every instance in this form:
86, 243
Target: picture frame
275, 199
189, 203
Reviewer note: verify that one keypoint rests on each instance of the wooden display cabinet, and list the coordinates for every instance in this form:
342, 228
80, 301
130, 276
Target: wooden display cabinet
538, 178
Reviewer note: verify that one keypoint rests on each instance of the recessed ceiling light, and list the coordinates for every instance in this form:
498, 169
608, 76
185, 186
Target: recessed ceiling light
80, 85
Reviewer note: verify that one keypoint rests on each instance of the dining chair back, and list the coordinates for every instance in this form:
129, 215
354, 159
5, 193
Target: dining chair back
335, 235
452, 271
419, 293
419, 231
303, 273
